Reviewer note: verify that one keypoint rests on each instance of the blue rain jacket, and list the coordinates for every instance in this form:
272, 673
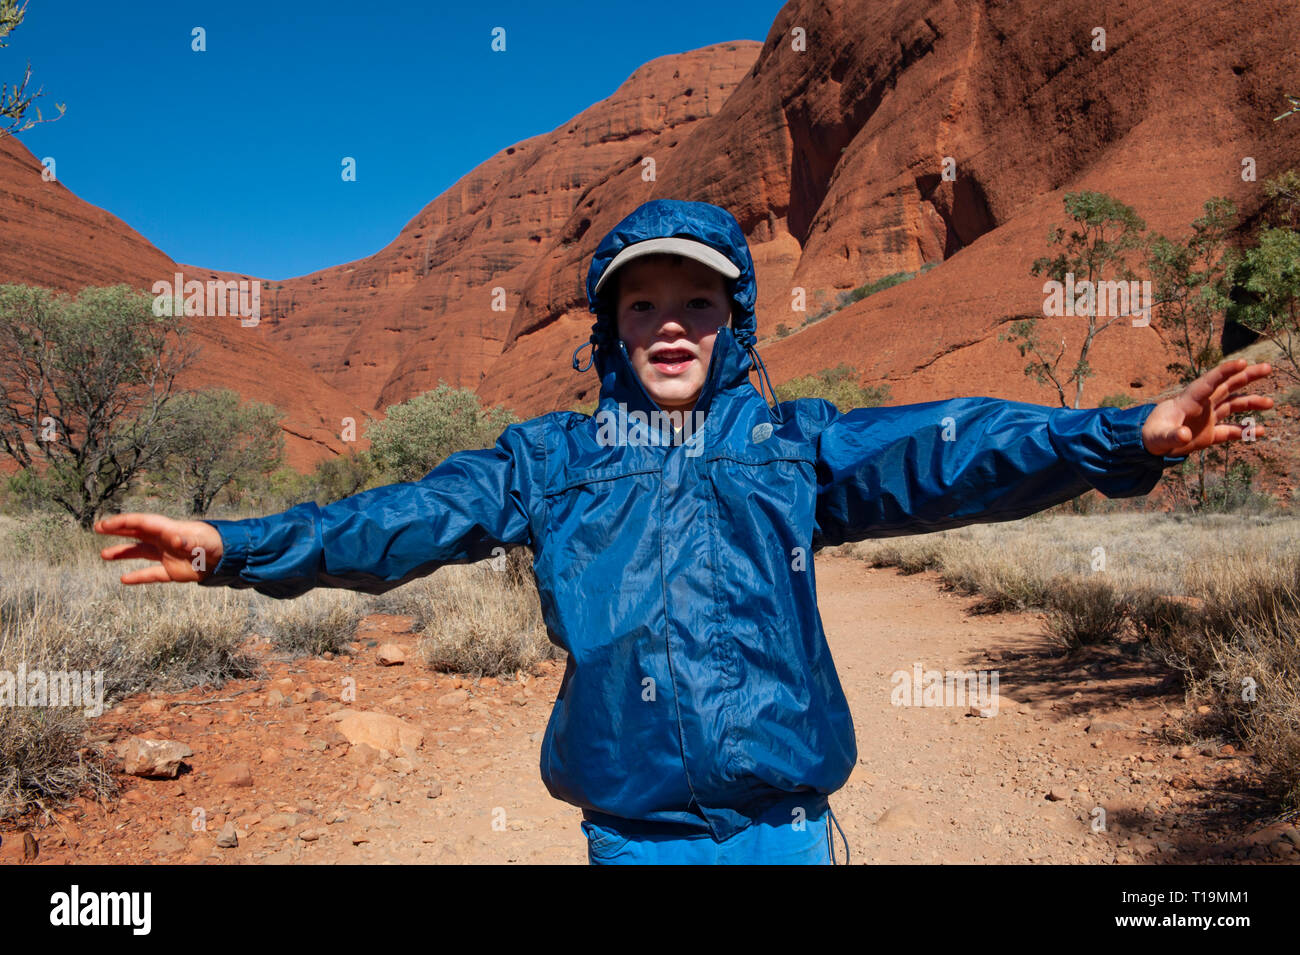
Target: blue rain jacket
699, 687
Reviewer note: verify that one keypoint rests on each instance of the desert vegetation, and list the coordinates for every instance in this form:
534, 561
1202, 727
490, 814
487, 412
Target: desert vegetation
1214, 597
63, 609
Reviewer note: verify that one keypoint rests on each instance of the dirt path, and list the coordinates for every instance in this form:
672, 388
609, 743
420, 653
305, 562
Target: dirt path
933, 783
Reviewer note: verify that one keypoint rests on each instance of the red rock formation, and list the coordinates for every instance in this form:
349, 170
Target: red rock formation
831, 159
421, 310
51, 238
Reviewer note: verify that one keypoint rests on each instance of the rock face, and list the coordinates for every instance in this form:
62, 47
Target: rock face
831, 156
49, 237
526, 222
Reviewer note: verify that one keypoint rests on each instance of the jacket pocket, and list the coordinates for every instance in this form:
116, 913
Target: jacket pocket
603, 842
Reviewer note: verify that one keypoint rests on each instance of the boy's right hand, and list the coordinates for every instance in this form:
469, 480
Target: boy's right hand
171, 543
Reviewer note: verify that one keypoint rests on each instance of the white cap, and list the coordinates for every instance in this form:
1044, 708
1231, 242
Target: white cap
672, 245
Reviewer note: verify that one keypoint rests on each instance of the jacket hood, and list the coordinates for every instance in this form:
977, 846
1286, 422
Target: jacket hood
664, 218
734, 345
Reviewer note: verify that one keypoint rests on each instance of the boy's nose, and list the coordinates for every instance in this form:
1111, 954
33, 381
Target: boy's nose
672, 321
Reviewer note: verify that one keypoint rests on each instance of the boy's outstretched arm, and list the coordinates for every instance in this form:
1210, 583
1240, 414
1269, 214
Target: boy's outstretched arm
912, 469
378, 539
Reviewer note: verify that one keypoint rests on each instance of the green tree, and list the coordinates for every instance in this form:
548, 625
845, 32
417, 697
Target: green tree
342, 476
84, 385
1192, 281
15, 101
1192, 285
416, 435
210, 438
262, 493
1094, 251
1269, 278
838, 385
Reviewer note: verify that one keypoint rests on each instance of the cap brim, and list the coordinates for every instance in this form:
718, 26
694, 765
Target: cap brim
673, 245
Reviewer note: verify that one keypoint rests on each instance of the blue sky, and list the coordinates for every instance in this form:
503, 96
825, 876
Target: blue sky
230, 158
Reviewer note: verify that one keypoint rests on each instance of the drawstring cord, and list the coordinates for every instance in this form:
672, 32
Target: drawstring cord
591, 359
765, 380
830, 817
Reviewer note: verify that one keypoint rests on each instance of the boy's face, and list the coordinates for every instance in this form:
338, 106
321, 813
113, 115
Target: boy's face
669, 313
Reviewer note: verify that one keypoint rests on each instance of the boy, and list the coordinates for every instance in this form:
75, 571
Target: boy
700, 718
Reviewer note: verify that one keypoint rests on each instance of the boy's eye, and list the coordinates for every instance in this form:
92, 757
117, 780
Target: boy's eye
642, 305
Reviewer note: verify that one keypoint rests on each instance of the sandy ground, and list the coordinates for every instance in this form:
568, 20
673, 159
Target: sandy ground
1076, 766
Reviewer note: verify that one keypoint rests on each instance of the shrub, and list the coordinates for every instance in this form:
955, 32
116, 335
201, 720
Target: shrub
1242, 654
25, 493
42, 760
1235, 491
136, 639
417, 435
481, 619
341, 476
837, 385
1158, 619
871, 288
319, 621
1084, 611
209, 439
48, 537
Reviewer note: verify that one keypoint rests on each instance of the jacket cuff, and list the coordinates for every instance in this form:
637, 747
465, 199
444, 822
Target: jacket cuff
1125, 427
235, 543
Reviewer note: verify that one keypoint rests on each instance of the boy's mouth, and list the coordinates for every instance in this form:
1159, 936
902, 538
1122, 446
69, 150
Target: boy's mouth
671, 361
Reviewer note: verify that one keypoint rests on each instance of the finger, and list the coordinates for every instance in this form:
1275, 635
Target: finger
132, 524
1234, 432
146, 575
1245, 376
131, 552
1206, 387
1239, 403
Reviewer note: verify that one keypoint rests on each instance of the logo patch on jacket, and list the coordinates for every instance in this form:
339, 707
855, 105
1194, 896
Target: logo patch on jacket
761, 433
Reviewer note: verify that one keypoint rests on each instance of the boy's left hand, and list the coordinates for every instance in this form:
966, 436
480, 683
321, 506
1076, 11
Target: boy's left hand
1190, 421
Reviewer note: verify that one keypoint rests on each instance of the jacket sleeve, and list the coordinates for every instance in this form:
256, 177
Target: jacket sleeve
379, 539
913, 469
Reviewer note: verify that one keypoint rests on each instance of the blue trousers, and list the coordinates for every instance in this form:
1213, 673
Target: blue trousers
793, 832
